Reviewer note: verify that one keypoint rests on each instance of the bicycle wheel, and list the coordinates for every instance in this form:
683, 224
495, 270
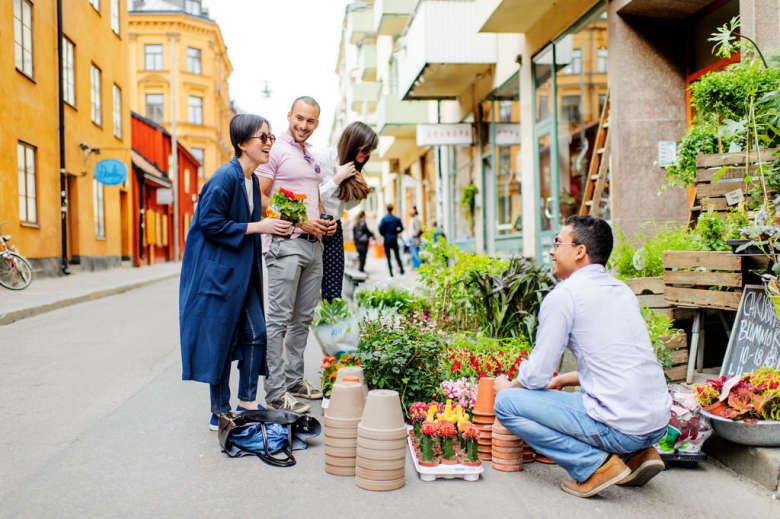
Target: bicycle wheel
15, 272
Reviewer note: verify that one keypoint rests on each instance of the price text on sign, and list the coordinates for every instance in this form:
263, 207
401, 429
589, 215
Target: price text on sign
755, 338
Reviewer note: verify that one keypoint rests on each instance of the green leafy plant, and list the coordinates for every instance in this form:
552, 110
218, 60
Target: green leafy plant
628, 261
701, 138
390, 298
287, 206
331, 365
331, 312
468, 200
715, 229
402, 354
474, 357
661, 332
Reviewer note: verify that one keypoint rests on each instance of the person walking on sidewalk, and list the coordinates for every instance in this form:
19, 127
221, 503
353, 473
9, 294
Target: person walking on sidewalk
390, 227
294, 264
221, 286
416, 232
603, 434
354, 148
362, 235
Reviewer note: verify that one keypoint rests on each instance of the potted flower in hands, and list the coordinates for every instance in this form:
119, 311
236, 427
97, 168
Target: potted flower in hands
471, 434
447, 434
287, 206
428, 431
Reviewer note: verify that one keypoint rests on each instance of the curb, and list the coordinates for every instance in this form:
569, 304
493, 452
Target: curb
760, 464
16, 315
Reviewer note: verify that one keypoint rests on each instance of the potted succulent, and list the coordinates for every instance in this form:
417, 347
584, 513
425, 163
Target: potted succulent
471, 435
447, 434
418, 411
428, 430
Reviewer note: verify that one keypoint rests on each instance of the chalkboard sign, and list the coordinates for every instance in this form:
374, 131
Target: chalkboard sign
755, 338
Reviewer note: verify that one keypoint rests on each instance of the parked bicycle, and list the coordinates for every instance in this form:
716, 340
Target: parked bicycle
15, 271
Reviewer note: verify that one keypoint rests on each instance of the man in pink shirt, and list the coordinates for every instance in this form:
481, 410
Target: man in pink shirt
294, 264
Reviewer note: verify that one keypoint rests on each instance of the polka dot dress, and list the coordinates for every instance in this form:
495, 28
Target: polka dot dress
333, 264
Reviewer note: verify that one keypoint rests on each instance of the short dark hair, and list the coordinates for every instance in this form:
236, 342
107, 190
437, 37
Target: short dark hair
595, 234
243, 127
309, 101
356, 137
389, 208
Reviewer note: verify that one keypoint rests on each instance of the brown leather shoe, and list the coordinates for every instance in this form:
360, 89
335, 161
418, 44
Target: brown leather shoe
611, 472
644, 465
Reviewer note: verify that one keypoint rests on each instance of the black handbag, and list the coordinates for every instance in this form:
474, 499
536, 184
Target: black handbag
297, 425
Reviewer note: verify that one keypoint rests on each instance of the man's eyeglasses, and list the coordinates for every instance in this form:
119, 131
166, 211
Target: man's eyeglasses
557, 243
265, 138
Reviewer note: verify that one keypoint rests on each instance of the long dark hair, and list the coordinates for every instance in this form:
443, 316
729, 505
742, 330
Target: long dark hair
355, 138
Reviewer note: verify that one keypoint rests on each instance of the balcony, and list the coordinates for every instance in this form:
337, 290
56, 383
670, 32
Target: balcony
360, 22
367, 92
442, 51
390, 16
397, 118
510, 16
372, 168
367, 61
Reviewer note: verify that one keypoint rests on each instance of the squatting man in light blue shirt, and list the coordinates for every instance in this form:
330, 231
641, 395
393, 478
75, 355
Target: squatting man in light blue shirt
604, 434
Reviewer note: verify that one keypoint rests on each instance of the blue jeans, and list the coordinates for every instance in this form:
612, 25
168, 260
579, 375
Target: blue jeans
555, 423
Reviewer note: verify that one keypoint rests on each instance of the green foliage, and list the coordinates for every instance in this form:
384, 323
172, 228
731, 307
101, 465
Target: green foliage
401, 354
288, 207
701, 138
390, 298
713, 229
331, 312
627, 261
480, 356
507, 304
468, 200
659, 327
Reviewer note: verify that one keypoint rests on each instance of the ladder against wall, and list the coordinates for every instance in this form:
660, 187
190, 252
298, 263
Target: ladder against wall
595, 196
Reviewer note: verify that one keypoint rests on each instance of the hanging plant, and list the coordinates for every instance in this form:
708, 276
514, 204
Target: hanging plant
468, 200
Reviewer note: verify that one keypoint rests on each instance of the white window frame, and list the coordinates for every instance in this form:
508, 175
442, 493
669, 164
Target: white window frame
117, 111
161, 105
95, 97
68, 71
28, 182
115, 16
195, 110
95, 4
23, 37
194, 61
200, 156
602, 55
156, 58
99, 208
192, 7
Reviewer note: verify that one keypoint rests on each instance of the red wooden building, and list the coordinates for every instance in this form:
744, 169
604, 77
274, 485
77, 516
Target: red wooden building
152, 191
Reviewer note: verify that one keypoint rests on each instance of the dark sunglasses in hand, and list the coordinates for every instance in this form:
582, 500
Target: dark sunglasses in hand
310, 160
265, 138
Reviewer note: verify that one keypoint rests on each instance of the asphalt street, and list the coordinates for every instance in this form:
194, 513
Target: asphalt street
99, 424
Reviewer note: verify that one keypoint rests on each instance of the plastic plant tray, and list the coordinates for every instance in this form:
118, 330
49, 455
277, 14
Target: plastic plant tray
443, 471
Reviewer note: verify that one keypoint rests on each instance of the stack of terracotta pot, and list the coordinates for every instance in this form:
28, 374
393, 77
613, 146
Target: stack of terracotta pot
507, 449
341, 423
352, 372
381, 442
484, 416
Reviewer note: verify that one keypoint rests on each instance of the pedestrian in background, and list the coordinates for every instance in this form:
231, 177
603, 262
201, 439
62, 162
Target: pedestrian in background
294, 264
415, 232
362, 235
221, 316
390, 227
339, 163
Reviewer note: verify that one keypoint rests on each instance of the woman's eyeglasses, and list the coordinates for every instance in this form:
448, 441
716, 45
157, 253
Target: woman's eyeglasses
265, 138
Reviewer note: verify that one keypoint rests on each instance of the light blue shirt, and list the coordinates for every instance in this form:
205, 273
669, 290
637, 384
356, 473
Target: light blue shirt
597, 317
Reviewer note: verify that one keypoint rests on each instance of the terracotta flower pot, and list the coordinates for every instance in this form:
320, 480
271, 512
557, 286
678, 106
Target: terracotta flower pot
485, 456
379, 475
352, 371
486, 396
470, 463
376, 454
340, 452
367, 484
541, 458
340, 423
484, 418
340, 442
381, 434
368, 443
433, 463
513, 444
499, 428
381, 464
383, 411
346, 401
337, 432
504, 467
336, 470
338, 461
507, 437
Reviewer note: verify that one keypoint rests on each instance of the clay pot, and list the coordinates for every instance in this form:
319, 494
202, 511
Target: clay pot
379, 475
341, 443
506, 467
368, 443
346, 401
479, 419
515, 451
498, 427
486, 396
541, 458
352, 371
338, 461
509, 444
383, 411
336, 432
434, 463
375, 454
468, 463
340, 423
381, 464
505, 437
485, 456
335, 470
340, 452
367, 484
381, 434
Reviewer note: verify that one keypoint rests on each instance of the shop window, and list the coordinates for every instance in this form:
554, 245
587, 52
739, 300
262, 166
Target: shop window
99, 208
95, 90
68, 72
154, 107
193, 61
28, 192
195, 110
508, 195
23, 49
153, 57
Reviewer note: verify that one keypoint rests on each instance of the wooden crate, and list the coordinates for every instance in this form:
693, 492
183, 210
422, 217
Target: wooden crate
686, 287
650, 293
679, 348
731, 169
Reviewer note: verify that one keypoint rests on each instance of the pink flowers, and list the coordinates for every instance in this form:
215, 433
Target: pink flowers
462, 391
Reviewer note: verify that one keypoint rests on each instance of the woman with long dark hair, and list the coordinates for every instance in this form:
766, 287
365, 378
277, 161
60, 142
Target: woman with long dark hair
221, 315
343, 187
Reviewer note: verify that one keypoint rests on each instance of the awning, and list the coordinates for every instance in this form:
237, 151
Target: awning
149, 171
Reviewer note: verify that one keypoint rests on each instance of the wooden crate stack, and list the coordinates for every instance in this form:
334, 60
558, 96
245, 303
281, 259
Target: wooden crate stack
686, 287
679, 349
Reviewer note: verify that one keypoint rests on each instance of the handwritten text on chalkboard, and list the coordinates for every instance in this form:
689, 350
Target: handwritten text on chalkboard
755, 338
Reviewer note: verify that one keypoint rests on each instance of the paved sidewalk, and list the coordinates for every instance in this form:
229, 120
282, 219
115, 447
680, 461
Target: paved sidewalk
45, 295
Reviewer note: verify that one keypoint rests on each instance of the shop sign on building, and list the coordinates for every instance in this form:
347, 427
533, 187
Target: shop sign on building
507, 134
445, 134
667, 153
164, 196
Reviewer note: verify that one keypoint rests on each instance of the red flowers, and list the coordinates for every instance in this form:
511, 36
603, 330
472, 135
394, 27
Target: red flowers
289, 194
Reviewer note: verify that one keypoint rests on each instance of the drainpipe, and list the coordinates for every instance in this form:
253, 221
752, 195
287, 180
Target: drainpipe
63, 172
174, 175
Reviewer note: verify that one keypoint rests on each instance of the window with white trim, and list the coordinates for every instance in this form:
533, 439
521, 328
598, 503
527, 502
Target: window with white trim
23, 51
154, 107
115, 16
192, 7
95, 4
117, 112
193, 61
199, 154
99, 208
195, 110
94, 74
153, 56
28, 192
68, 72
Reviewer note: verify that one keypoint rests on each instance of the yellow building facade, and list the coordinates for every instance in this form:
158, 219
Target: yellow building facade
164, 33
97, 127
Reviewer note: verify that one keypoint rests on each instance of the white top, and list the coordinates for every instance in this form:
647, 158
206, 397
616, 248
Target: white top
248, 184
598, 318
329, 190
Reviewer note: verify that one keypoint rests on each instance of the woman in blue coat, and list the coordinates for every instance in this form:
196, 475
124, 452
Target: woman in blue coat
221, 317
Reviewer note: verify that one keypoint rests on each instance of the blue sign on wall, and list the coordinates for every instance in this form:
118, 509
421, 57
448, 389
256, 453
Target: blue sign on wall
110, 172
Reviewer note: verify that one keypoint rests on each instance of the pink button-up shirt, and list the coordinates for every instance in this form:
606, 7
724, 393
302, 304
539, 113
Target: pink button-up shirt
289, 167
